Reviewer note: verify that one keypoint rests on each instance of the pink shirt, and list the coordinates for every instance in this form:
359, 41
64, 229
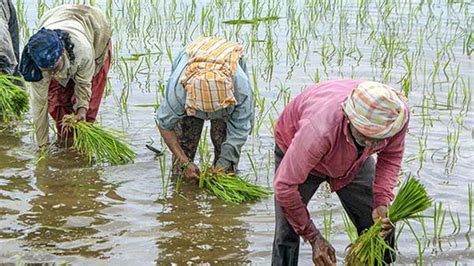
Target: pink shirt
313, 133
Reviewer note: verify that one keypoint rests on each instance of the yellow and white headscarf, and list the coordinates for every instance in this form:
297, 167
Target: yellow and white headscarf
207, 79
376, 110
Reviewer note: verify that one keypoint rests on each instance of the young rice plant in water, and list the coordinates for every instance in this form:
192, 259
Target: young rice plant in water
13, 99
229, 187
370, 247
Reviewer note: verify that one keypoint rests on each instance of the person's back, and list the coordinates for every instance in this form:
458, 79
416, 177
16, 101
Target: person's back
319, 104
82, 23
9, 43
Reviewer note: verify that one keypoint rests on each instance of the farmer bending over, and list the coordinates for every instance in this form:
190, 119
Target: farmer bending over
208, 81
67, 62
9, 43
328, 133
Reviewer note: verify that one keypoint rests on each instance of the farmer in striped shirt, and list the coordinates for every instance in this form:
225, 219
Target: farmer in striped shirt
208, 81
66, 64
329, 133
9, 42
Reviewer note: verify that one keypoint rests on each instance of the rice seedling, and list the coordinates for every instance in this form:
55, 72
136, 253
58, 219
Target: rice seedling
254, 168
469, 200
98, 142
251, 21
456, 223
418, 241
439, 217
327, 221
13, 99
229, 187
370, 247
349, 227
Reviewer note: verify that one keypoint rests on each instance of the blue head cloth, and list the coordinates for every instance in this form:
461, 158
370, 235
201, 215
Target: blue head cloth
43, 50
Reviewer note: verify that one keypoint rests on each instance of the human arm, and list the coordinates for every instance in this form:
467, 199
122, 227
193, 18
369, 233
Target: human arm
83, 82
239, 123
39, 107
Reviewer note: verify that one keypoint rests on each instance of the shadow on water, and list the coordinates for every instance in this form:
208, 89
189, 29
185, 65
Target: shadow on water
198, 228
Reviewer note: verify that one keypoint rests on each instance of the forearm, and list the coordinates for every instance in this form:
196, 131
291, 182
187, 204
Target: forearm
387, 170
171, 140
39, 107
296, 212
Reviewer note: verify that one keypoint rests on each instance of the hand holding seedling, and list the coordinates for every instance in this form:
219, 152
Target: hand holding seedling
381, 213
324, 253
191, 171
81, 114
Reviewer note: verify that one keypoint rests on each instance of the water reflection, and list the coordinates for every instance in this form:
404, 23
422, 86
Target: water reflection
63, 214
198, 228
14, 183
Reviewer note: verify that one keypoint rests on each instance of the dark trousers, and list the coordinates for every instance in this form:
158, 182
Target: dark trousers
189, 129
356, 198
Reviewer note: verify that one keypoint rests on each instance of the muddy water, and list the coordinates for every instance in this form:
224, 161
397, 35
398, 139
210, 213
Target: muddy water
60, 209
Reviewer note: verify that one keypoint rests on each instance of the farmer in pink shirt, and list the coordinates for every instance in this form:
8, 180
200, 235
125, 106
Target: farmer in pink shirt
329, 133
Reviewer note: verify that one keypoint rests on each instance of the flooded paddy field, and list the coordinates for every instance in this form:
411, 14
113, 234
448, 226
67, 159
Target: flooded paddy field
59, 209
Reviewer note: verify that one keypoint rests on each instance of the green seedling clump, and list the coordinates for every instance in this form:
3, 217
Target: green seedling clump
13, 99
370, 247
231, 188
96, 141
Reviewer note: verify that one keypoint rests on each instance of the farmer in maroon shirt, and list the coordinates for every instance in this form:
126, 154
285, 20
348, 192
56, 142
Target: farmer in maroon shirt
328, 133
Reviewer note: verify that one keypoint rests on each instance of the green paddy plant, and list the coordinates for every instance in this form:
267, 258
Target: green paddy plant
254, 167
349, 227
98, 142
369, 248
439, 218
418, 242
469, 194
13, 99
456, 221
229, 187
327, 220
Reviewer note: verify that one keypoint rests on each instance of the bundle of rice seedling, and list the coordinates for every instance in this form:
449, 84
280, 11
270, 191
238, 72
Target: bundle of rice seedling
96, 141
231, 188
13, 99
370, 247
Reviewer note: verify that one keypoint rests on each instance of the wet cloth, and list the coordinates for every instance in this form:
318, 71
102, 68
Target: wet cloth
9, 42
376, 110
314, 134
208, 77
238, 118
356, 199
90, 33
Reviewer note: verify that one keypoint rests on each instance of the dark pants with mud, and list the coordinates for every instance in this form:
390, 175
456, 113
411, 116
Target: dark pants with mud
356, 198
189, 129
